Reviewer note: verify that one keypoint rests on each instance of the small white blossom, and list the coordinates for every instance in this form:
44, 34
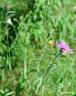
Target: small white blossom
9, 21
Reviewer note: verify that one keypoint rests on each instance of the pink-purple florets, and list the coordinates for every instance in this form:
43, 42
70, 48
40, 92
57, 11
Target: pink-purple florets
64, 47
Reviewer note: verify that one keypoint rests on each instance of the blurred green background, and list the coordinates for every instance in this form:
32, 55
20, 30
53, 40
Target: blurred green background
40, 21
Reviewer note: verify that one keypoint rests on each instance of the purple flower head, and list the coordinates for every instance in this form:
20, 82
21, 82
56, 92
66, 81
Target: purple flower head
64, 47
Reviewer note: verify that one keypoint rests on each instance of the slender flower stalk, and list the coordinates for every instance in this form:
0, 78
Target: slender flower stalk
63, 49
48, 70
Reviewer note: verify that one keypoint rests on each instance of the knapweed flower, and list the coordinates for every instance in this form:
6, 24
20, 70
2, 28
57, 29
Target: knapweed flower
64, 47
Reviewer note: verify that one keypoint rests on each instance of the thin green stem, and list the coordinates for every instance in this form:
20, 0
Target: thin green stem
48, 71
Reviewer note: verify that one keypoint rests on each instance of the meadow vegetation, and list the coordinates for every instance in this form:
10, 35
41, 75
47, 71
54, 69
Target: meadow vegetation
29, 31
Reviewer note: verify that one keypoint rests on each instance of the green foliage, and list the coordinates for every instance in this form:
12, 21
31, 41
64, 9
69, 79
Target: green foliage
40, 21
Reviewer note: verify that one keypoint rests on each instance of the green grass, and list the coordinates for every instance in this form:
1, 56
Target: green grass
40, 22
